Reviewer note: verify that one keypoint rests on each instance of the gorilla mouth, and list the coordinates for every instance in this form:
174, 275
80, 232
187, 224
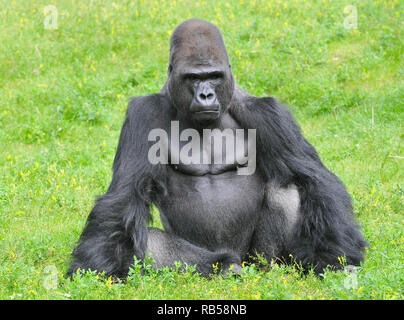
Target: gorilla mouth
208, 115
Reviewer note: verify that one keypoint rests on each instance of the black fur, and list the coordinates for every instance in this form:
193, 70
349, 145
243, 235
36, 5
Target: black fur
325, 230
222, 226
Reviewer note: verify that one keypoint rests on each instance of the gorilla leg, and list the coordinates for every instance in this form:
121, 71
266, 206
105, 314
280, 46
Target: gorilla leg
166, 248
286, 231
274, 230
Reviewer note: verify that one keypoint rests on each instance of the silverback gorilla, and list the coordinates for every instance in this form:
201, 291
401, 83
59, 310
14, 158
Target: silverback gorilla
291, 208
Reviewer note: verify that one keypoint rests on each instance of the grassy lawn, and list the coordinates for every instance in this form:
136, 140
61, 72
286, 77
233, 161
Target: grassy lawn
63, 97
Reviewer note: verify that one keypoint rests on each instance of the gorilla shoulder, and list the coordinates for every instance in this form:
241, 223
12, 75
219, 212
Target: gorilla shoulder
150, 107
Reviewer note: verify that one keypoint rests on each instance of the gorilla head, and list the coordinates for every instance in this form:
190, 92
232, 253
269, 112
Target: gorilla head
200, 82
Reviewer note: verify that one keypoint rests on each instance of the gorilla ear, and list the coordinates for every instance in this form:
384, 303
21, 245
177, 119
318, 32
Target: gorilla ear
170, 68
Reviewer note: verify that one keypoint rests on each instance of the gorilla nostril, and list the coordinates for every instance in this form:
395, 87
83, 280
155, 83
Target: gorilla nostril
204, 96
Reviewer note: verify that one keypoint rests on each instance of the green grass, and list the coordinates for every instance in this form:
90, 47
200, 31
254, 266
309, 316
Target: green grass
63, 98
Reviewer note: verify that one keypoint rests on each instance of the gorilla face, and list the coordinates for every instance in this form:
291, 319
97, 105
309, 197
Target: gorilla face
200, 91
200, 81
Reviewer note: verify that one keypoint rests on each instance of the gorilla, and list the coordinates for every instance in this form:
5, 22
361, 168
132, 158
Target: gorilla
289, 207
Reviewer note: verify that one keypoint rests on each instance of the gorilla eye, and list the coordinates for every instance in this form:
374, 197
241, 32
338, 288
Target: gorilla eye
203, 76
191, 77
216, 76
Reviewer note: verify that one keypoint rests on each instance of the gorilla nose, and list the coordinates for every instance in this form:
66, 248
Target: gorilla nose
206, 99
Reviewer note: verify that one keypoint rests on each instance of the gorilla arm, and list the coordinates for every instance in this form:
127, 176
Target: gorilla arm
116, 228
324, 229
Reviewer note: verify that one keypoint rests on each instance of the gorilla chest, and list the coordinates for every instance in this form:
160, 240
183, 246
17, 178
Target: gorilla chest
213, 210
220, 148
